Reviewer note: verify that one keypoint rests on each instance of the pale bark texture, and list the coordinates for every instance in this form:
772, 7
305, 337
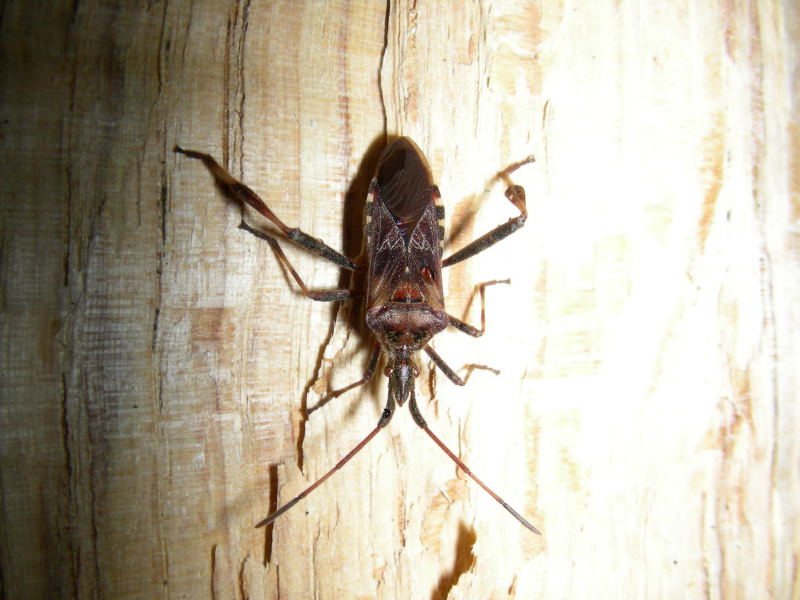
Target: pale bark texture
157, 361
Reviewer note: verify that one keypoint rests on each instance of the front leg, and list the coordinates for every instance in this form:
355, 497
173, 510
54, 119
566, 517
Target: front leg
452, 375
373, 362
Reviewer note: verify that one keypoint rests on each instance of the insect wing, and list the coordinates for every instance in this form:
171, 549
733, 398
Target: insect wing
404, 230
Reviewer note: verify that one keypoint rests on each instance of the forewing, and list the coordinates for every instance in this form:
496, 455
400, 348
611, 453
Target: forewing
404, 230
385, 250
405, 183
425, 251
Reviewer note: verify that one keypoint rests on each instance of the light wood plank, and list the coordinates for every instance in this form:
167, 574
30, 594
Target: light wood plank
156, 361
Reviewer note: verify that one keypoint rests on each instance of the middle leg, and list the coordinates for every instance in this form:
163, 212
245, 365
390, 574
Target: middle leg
469, 329
321, 295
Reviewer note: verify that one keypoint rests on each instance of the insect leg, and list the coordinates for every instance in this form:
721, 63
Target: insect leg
419, 420
373, 362
444, 367
321, 295
469, 329
452, 375
516, 194
244, 194
386, 416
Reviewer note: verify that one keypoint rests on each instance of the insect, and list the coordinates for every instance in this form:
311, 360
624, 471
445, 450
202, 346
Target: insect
404, 299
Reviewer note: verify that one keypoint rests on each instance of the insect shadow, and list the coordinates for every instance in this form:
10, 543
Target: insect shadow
398, 277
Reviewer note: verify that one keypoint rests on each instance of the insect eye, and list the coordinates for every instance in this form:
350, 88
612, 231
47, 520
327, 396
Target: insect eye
427, 274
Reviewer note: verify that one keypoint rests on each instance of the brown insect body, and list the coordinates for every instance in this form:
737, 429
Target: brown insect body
404, 297
404, 231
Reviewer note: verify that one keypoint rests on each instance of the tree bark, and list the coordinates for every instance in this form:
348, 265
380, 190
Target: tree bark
157, 360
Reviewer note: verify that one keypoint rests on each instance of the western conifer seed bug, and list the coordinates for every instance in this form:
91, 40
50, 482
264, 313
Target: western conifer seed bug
404, 236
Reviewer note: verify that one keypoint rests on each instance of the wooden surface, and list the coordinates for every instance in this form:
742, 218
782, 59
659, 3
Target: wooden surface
155, 361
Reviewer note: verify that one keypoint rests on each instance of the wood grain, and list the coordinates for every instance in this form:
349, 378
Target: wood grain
156, 360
